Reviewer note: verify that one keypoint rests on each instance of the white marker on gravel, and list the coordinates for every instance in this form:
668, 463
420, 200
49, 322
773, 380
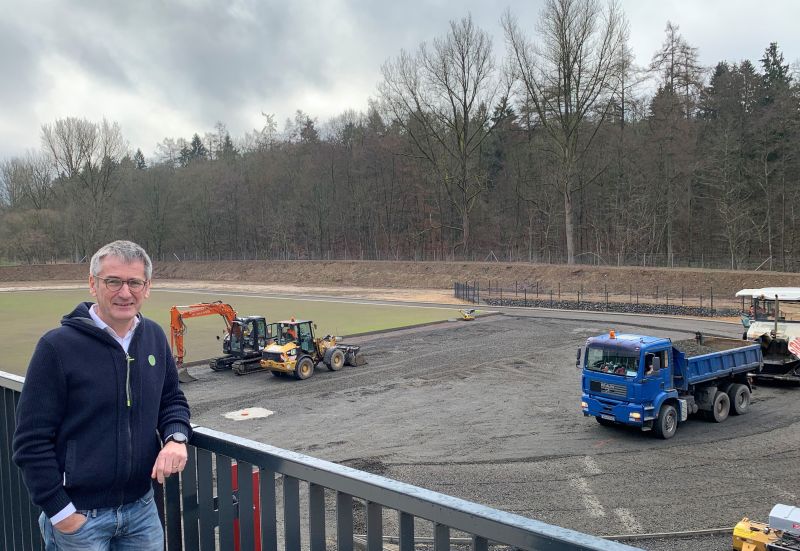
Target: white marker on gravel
628, 521
248, 413
590, 501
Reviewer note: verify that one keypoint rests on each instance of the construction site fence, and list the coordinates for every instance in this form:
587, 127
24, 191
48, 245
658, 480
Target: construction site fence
243, 495
655, 299
702, 261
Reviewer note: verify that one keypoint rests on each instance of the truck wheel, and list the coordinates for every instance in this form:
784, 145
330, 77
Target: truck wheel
336, 361
304, 368
739, 396
721, 407
667, 423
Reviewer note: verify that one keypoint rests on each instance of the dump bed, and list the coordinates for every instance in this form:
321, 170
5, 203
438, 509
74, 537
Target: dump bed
697, 361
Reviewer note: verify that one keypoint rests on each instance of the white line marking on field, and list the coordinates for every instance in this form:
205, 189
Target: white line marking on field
365, 302
591, 465
590, 501
628, 521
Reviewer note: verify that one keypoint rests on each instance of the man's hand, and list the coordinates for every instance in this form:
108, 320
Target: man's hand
172, 459
70, 524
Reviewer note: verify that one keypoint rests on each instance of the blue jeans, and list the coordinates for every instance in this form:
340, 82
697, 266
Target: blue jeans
130, 527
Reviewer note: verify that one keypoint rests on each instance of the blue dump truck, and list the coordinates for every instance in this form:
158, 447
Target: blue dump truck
654, 383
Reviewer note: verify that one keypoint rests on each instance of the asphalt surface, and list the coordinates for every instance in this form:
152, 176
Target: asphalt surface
489, 411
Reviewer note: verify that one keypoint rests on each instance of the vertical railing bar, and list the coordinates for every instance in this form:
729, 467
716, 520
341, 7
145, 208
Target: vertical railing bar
344, 522
479, 544
14, 478
246, 524
225, 502
205, 501
6, 508
172, 514
316, 517
291, 512
406, 531
441, 537
269, 523
374, 526
189, 500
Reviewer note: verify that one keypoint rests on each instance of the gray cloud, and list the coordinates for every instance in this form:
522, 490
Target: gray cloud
168, 68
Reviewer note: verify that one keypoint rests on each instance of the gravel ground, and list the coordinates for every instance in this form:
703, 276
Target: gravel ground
489, 411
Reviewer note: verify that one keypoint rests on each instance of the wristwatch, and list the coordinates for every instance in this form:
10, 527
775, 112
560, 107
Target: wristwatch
178, 437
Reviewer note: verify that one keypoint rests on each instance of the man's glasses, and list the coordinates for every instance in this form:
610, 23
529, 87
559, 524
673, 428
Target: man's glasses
115, 283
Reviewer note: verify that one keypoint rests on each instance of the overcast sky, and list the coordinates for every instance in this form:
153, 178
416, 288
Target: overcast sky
170, 68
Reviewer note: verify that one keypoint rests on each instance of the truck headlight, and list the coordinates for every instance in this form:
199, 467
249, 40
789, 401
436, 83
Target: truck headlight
635, 415
584, 405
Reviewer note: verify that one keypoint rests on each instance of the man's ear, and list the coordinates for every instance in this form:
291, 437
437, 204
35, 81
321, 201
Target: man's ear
92, 286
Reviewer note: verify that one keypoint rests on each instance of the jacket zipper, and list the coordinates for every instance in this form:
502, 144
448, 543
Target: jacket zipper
128, 361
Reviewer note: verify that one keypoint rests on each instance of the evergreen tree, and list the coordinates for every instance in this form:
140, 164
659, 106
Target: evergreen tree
138, 160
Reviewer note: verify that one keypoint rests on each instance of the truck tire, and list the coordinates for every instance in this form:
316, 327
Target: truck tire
336, 360
304, 368
667, 423
739, 395
721, 407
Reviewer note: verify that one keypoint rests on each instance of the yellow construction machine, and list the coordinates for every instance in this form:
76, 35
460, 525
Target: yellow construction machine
297, 351
781, 534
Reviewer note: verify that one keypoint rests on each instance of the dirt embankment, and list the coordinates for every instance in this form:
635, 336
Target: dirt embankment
433, 275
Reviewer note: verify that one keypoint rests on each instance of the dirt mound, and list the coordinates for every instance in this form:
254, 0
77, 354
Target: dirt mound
436, 275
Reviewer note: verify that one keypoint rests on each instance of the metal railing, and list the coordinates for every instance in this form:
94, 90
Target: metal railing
297, 502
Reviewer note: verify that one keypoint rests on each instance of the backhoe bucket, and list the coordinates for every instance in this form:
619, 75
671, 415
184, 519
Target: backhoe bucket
184, 377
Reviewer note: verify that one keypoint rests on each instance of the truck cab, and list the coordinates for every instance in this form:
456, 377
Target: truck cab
626, 378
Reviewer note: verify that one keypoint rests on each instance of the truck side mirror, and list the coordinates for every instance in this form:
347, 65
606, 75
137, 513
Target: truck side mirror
578, 359
656, 364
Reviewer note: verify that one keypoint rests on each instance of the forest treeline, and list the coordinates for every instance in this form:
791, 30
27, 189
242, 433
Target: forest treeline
551, 147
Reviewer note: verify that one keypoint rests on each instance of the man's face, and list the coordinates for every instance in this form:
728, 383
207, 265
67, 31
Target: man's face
118, 308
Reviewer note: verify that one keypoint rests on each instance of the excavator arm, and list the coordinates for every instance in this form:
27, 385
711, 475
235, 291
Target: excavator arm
178, 327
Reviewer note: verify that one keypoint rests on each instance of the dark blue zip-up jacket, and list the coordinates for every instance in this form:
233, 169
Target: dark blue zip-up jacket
88, 414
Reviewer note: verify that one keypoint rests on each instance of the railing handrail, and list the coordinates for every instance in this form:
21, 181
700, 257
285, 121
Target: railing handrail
484, 522
493, 524
9, 380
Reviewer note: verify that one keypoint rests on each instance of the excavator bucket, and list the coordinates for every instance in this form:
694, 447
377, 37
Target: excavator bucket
184, 376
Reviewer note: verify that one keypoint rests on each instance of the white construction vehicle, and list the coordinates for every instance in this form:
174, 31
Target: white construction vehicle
773, 319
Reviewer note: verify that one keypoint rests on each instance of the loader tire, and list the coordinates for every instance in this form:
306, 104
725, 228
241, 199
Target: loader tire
739, 395
667, 423
304, 368
336, 360
721, 407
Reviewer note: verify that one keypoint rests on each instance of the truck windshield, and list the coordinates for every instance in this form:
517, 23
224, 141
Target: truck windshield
615, 362
765, 310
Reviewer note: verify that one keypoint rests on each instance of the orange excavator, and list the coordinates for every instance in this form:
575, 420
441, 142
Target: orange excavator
242, 344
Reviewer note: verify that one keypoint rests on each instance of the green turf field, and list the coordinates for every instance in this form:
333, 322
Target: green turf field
26, 315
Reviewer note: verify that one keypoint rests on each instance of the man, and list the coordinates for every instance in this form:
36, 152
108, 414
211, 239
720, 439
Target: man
96, 391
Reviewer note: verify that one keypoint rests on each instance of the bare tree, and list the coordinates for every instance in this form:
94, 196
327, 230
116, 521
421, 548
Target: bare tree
86, 156
443, 98
571, 77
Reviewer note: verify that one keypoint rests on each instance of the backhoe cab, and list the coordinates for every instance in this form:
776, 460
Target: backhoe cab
297, 351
